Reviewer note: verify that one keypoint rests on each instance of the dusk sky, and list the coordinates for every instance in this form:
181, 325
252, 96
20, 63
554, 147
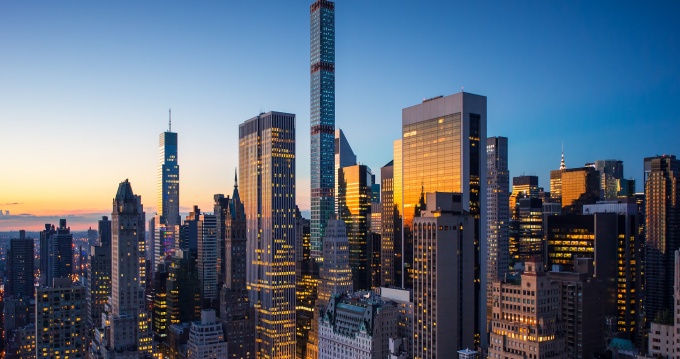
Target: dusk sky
85, 88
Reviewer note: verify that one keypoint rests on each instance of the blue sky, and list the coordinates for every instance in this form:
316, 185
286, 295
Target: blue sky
85, 87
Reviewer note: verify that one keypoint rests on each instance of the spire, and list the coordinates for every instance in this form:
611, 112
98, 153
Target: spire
169, 120
235, 178
563, 166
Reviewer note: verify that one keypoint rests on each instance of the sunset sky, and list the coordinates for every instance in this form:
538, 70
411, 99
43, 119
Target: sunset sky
85, 88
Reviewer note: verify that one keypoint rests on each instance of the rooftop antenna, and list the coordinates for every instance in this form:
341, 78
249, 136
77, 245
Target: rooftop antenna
169, 120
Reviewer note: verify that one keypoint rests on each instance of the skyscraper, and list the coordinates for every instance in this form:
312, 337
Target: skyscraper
56, 253
444, 277
322, 118
611, 174
336, 273
662, 219
236, 314
20, 281
354, 206
579, 186
498, 213
98, 288
442, 152
206, 339
168, 178
391, 227
344, 156
128, 333
267, 173
207, 259
60, 320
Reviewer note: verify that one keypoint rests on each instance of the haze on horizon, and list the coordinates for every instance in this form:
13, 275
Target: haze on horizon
85, 89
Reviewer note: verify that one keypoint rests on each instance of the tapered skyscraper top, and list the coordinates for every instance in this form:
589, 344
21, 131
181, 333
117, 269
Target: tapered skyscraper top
322, 118
168, 177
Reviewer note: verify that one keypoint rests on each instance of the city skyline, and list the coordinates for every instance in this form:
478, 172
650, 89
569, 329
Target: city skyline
598, 74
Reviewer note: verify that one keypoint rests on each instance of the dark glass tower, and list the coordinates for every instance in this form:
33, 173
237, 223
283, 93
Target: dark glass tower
322, 118
20, 267
168, 178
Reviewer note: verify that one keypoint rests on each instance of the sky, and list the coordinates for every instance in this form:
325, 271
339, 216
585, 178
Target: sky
85, 88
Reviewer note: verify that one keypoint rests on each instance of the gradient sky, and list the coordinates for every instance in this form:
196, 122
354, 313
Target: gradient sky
85, 88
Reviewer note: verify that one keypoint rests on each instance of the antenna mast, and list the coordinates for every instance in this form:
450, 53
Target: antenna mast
169, 120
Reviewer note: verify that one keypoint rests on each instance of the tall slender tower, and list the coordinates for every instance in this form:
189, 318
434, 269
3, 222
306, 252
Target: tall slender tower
267, 172
662, 193
322, 118
168, 177
129, 324
498, 214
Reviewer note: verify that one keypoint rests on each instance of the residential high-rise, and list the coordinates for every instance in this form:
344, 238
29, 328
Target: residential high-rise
442, 152
498, 213
357, 326
168, 178
443, 285
159, 313
391, 227
183, 288
354, 206
525, 318
60, 320
662, 227
322, 118
20, 277
344, 156
267, 173
207, 259
206, 339
236, 314
220, 211
98, 288
336, 273
56, 252
128, 323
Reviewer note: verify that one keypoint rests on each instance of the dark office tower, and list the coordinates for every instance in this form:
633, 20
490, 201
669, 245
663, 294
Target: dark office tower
220, 211
530, 243
391, 227
628, 282
306, 293
104, 232
46, 238
98, 287
168, 178
354, 204
267, 173
498, 214
207, 259
611, 174
184, 292
322, 118
344, 156
20, 282
662, 227
442, 152
128, 330
236, 314
522, 186
159, 315
580, 186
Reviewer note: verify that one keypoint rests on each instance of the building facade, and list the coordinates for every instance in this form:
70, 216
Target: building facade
267, 173
443, 284
20, 267
344, 156
206, 339
322, 118
60, 320
442, 151
498, 213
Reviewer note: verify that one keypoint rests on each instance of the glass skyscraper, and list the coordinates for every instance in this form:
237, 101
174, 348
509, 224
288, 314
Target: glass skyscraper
168, 179
322, 118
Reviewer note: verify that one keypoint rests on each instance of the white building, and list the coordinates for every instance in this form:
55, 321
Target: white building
664, 338
357, 326
206, 339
